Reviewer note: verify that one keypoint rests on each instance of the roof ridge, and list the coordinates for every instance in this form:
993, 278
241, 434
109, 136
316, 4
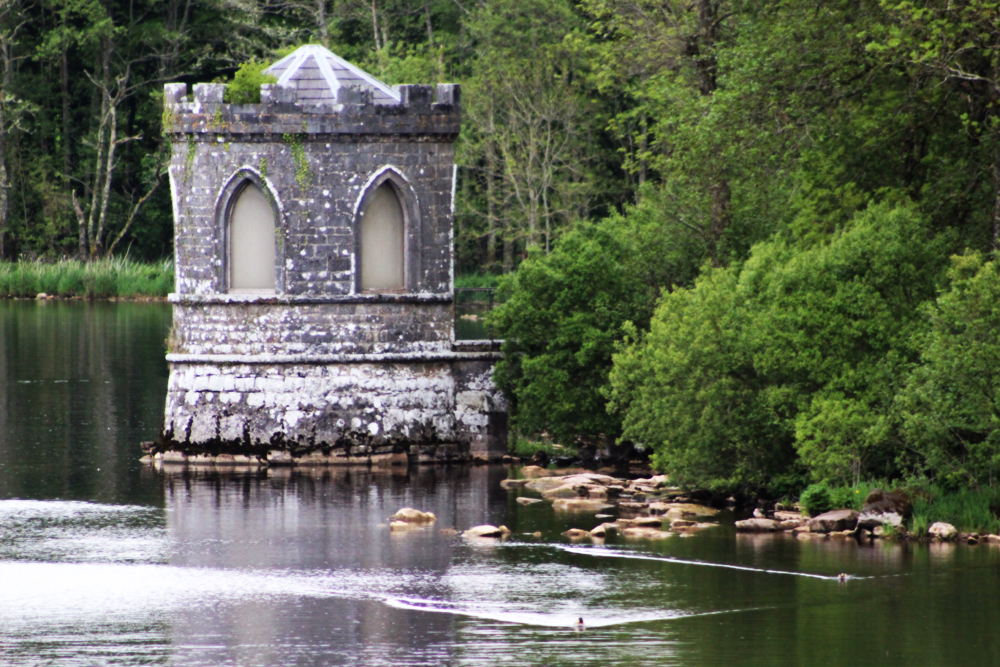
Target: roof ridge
327, 63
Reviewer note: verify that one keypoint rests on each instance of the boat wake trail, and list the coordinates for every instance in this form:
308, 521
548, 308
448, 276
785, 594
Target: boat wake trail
602, 552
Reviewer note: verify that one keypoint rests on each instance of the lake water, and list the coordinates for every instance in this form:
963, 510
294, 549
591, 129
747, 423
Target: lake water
104, 561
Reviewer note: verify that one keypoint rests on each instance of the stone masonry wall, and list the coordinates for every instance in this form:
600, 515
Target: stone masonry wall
333, 413
316, 163
316, 372
258, 327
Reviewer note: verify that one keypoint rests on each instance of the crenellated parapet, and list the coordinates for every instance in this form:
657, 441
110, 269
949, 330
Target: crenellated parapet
429, 113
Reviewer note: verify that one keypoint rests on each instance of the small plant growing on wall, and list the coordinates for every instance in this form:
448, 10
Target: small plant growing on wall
246, 83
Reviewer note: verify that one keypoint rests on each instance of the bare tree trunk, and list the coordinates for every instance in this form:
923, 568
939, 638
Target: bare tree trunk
378, 46
508, 252
995, 172
4, 184
324, 34
82, 220
99, 160
64, 88
491, 210
430, 28
98, 241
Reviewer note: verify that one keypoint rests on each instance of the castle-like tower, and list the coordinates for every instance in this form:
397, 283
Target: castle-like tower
313, 312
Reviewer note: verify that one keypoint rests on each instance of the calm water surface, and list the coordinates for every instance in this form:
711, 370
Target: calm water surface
104, 561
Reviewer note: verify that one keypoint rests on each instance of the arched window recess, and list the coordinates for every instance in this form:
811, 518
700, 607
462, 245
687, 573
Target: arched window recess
386, 237
250, 225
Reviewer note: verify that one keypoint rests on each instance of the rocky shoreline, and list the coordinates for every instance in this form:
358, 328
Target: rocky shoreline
644, 505
650, 508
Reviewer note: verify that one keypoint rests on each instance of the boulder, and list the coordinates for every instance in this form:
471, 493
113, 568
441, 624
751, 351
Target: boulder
942, 531
513, 483
641, 522
448, 532
784, 515
535, 472
631, 507
410, 515
397, 526
837, 520
757, 526
565, 491
682, 523
693, 528
524, 500
789, 524
872, 519
602, 530
990, 539
543, 484
595, 491
645, 533
486, 530
883, 502
576, 534
681, 510
579, 505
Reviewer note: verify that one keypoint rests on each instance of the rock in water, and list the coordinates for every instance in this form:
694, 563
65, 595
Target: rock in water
837, 520
486, 530
575, 533
524, 500
646, 533
758, 526
942, 531
579, 505
410, 515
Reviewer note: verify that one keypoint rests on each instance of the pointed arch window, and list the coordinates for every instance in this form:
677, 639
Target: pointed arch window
382, 242
251, 242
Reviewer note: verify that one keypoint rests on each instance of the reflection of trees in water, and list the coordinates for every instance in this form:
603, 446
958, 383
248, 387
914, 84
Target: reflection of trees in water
81, 384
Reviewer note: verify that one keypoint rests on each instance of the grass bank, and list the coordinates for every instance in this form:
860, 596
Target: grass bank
100, 279
969, 510
476, 280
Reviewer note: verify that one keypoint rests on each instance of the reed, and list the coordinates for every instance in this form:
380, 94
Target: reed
969, 510
101, 279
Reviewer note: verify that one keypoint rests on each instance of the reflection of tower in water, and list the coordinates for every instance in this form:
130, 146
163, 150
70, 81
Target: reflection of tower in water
320, 529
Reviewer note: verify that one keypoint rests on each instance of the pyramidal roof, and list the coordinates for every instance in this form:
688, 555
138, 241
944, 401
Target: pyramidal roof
317, 74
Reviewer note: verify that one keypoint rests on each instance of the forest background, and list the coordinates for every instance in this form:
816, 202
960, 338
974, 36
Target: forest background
756, 238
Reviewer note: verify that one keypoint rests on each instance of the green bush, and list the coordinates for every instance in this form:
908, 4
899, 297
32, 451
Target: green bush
562, 314
791, 360
816, 499
950, 402
246, 83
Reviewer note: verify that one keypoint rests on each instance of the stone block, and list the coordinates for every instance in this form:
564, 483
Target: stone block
209, 93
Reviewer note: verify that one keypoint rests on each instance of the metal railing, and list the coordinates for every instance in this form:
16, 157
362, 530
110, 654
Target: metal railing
471, 306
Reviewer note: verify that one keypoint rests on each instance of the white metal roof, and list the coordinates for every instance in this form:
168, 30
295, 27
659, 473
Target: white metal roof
316, 74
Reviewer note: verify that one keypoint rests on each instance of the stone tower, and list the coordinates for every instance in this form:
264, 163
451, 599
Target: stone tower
313, 311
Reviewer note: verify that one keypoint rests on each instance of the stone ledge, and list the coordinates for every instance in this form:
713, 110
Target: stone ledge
319, 359
225, 299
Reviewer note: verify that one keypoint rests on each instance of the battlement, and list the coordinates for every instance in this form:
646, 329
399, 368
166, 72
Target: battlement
422, 110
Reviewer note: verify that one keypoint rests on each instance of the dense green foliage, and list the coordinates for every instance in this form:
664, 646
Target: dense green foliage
110, 277
819, 163
752, 203
562, 313
952, 402
246, 83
